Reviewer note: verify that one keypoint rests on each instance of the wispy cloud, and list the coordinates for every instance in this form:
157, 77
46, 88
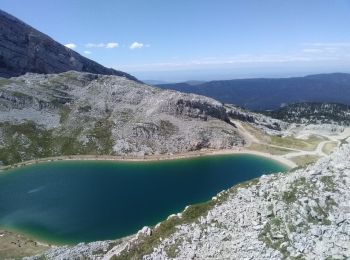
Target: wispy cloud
328, 44
71, 45
94, 45
112, 45
136, 45
305, 56
325, 47
109, 45
87, 52
312, 50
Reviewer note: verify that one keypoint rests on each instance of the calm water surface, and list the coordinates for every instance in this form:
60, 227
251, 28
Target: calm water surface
75, 201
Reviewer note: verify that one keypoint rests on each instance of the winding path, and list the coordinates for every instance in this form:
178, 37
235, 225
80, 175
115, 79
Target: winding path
318, 151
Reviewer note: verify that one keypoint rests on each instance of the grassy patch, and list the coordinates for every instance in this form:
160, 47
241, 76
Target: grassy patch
100, 137
329, 147
27, 141
291, 142
329, 183
24, 142
171, 250
14, 246
167, 128
64, 114
309, 144
298, 186
274, 233
268, 149
85, 109
304, 160
274, 236
4, 82
21, 95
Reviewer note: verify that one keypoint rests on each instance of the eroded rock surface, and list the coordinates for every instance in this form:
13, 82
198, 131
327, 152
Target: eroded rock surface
303, 214
82, 113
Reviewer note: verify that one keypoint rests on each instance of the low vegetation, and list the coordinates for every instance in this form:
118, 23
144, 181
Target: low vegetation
304, 160
168, 227
329, 147
28, 141
268, 149
290, 142
15, 246
309, 144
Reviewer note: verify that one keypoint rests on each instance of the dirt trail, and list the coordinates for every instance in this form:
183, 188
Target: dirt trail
250, 138
318, 151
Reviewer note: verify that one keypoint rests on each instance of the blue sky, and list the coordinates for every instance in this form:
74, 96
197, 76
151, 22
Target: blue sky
199, 39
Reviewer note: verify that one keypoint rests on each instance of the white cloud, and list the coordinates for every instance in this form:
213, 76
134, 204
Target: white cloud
95, 45
112, 45
136, 45
71, 45
87, 52
109, 45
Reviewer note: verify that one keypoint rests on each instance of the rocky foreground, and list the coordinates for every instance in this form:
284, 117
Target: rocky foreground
303, 214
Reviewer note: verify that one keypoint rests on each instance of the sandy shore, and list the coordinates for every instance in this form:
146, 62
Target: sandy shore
284, 161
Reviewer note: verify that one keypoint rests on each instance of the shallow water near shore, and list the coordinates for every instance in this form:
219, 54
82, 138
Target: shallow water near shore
75, 201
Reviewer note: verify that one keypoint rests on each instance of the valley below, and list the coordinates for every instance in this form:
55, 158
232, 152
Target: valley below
96, 164
85, 119
294, 145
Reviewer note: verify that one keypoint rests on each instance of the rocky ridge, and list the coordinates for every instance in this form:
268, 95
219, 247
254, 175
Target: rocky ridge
24, 49
267, 124
82, 113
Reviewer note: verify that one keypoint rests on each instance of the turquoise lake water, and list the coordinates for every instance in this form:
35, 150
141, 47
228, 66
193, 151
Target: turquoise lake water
76, 201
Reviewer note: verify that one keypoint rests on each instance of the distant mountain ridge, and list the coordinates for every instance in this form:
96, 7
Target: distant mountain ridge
265, 93
24, 49
315, 113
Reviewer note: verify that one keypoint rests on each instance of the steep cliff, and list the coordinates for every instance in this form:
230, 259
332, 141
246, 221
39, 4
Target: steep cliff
25, 49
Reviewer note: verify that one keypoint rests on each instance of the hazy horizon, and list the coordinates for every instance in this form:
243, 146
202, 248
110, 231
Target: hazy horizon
232, 39
175, 77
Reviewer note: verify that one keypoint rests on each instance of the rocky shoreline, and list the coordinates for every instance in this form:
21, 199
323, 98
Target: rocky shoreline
301, 214
152, 158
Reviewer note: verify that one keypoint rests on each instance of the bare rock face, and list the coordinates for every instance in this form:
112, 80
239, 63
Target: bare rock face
265, 123
24, 49
82, 113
